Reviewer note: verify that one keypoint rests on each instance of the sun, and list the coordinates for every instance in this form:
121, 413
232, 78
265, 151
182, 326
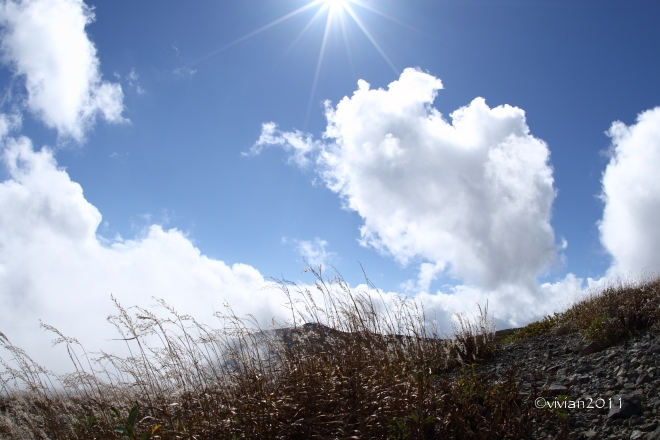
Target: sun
339, 11
336, 5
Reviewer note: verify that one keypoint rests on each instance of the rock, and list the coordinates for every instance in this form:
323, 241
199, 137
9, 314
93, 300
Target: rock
641, 380
649, 426
594, 347
625, 406
594, 376
655, 435
599, 372
584, 368
557, 389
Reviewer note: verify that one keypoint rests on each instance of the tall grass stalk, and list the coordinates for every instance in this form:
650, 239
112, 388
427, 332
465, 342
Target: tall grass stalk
347, 364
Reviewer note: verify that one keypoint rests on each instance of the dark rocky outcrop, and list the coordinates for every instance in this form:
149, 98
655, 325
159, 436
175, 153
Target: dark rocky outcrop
618, 385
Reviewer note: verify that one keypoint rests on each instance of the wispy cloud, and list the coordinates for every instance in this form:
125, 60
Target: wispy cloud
184, 71
314, 252
132, 78
300, 146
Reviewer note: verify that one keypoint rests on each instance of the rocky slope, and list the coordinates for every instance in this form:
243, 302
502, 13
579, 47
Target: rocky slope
594, 392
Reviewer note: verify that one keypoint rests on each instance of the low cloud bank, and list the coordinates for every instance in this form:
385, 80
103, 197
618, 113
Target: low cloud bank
54, 268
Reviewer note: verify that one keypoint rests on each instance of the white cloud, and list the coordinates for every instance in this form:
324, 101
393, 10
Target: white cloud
9, 123
296, 143
314, 252
184, 71
512, 305
54, 267
472, 196
45, 42
428, 272
631, 192
132, 78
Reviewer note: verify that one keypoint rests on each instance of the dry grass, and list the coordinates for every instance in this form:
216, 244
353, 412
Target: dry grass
346, 366
622, 309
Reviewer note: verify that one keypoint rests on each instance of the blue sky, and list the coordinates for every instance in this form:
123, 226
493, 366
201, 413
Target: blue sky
574, 67
178, 149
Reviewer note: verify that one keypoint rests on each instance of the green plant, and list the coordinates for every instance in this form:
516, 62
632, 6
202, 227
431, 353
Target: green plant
128, 425
596, 330
556, 412
398, 430
535, 329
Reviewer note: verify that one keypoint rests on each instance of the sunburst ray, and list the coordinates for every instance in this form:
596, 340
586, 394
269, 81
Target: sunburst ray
334, 9
328, 22
261, 29
370, 37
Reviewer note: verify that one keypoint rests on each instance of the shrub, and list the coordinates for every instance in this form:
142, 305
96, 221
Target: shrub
538, 328
618, 311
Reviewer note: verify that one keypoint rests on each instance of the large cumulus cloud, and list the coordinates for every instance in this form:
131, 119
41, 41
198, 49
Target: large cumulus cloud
631, 192
45, 43
470, 196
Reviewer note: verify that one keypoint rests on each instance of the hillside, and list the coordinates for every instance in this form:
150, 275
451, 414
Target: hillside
610, 393
355, 370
